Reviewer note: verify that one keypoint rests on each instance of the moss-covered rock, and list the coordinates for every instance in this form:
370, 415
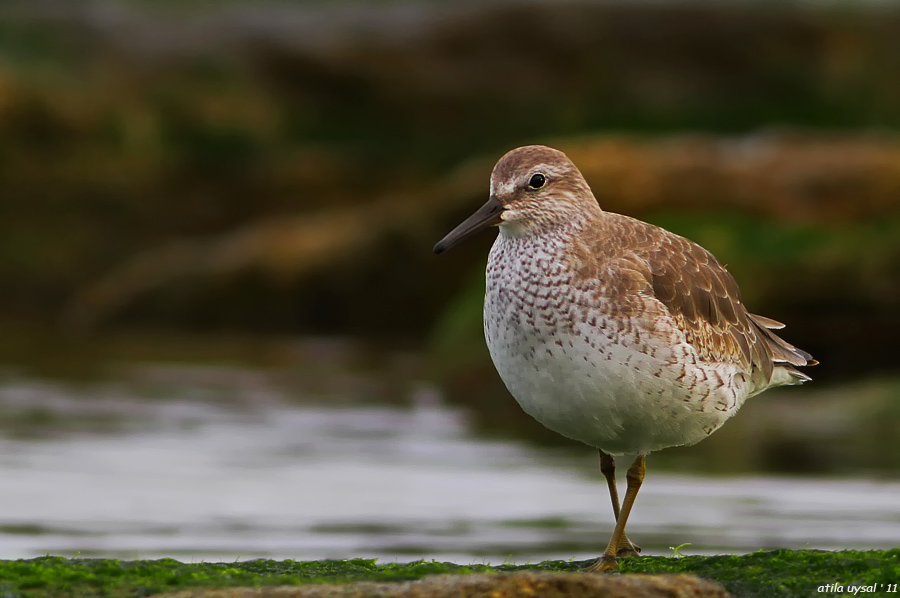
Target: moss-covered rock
776, 574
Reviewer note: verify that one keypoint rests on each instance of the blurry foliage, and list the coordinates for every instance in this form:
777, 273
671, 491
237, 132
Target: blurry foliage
165, 146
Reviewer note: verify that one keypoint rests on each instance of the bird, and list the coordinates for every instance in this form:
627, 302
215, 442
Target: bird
612, 331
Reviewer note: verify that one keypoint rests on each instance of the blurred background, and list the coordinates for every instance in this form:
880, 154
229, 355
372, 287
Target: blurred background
223, 333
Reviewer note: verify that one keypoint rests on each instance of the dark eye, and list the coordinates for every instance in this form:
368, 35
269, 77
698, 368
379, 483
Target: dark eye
537, 181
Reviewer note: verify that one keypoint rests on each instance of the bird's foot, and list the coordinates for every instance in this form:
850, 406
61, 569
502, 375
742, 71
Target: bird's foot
628, 549
605, 564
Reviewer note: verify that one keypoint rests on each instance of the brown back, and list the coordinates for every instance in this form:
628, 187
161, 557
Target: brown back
695, 288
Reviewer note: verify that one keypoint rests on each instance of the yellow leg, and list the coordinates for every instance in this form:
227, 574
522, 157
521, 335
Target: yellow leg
608, 469
635, 478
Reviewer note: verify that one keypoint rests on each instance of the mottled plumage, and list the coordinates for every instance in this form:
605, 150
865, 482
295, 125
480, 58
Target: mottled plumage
610, 330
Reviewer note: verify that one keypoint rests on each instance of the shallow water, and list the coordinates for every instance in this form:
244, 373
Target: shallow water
194, 473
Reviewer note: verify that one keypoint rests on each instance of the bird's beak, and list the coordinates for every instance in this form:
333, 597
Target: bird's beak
487, 215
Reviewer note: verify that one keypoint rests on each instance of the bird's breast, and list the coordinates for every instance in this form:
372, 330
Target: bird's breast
583, 370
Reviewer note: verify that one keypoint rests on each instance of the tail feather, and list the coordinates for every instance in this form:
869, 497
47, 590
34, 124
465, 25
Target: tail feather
785, 356
766, 322
782, 351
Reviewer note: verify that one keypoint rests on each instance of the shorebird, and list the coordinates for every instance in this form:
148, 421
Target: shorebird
612, 331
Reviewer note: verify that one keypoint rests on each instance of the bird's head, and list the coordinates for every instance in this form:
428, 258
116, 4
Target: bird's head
533, 189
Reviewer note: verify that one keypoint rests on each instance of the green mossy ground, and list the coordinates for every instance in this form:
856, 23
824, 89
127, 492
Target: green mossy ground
779, 573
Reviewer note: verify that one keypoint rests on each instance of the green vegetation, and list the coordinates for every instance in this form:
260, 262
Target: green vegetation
113, 141
780, 573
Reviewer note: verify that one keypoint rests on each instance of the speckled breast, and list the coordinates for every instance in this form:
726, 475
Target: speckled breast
617, 383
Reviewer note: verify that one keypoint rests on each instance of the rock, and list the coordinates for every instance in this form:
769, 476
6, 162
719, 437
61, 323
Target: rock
521, 584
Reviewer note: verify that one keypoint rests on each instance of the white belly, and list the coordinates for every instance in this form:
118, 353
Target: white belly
626, 387
621, 400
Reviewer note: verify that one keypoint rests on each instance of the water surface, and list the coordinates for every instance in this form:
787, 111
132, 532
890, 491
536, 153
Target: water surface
224, 471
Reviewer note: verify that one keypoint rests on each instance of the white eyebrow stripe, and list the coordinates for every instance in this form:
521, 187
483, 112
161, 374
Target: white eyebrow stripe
509, 185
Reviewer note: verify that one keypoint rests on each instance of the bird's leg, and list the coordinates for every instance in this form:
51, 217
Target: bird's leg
635, 477
608, 469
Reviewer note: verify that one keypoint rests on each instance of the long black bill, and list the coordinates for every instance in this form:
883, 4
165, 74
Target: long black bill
487, 215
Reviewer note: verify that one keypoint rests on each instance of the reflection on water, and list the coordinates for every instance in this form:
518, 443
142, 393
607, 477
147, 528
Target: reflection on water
198, 475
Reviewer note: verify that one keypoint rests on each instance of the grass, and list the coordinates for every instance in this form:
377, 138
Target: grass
779, 573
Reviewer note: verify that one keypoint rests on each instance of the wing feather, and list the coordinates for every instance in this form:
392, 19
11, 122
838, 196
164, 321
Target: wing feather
702, 297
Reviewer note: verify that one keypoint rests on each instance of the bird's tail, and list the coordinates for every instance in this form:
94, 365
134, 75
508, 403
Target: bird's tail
785, 356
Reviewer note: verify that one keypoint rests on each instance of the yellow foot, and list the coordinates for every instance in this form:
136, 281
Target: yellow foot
605, 564
629, 550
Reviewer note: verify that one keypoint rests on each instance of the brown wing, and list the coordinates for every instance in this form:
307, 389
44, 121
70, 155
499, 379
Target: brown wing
705, 301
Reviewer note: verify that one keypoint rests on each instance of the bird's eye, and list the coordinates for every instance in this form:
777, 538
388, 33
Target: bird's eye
537, 181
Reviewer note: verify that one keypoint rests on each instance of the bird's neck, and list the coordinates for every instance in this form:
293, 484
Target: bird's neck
553, 235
